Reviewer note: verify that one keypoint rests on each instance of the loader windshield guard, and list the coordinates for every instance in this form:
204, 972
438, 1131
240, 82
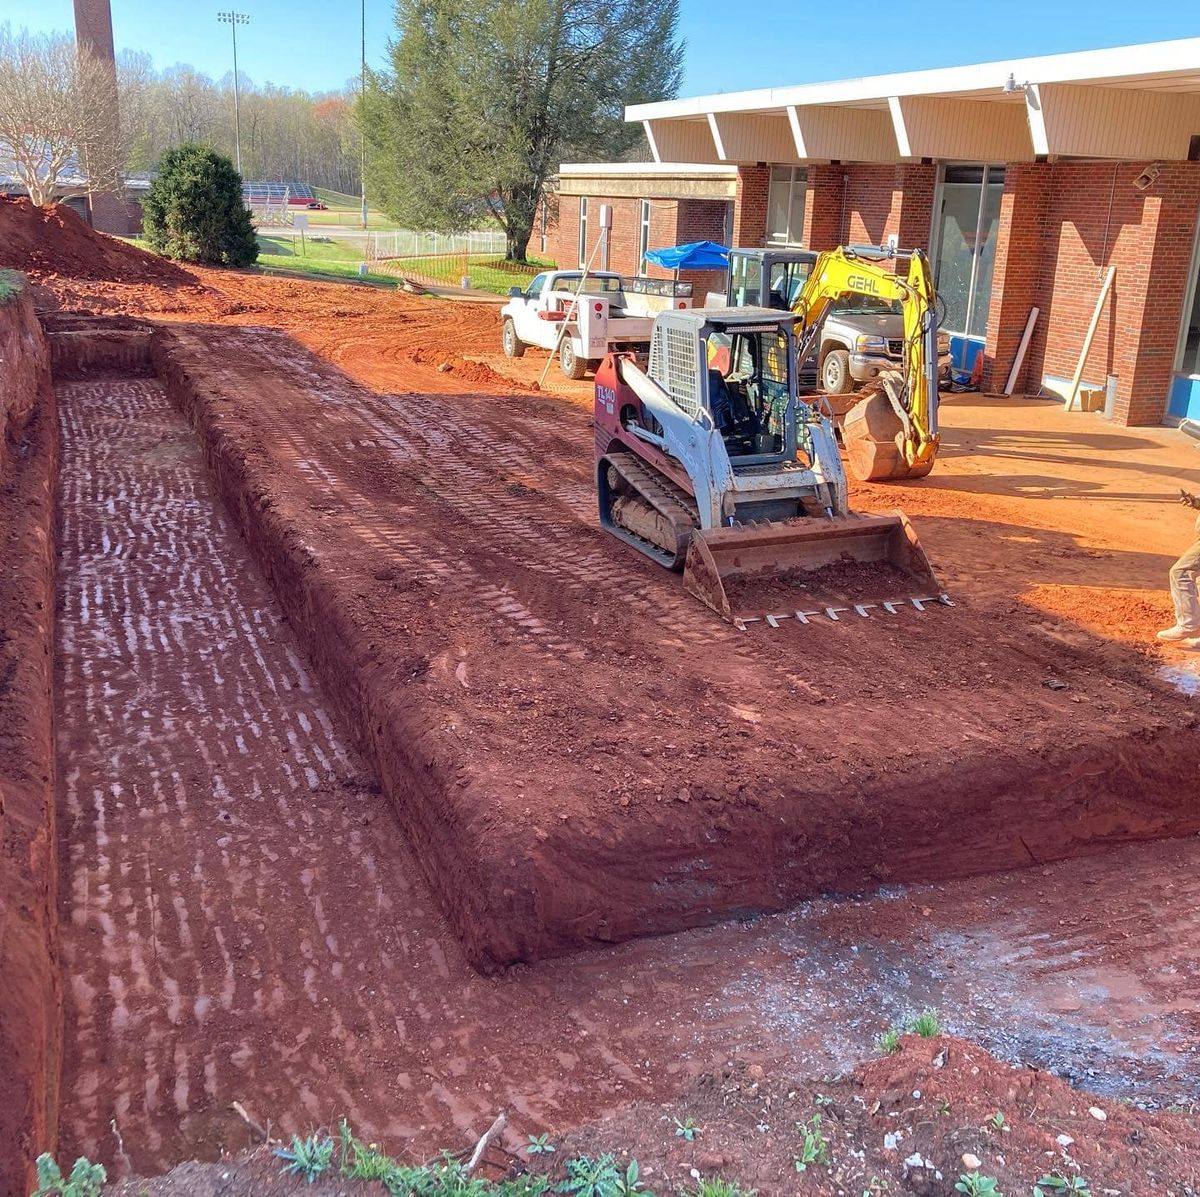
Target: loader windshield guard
749, 392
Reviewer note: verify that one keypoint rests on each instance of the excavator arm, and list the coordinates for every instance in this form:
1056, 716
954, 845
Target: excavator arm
892, 431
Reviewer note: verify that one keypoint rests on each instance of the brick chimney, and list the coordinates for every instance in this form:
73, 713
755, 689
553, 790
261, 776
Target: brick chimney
94, 33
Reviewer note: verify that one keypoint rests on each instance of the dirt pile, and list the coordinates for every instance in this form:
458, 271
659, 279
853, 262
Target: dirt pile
908, 1122
55, 240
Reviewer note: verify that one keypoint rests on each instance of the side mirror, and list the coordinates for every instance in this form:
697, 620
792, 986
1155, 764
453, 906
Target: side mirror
515, 293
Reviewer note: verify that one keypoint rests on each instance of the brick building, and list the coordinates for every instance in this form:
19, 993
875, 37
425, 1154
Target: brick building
654, 205
1024, 181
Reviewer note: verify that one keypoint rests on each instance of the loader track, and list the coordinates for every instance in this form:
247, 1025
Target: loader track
672, 502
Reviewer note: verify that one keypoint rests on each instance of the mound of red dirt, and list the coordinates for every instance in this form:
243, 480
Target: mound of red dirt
912, 1122
55, 240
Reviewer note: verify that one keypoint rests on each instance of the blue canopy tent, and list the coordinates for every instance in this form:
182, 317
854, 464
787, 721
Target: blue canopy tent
695, 255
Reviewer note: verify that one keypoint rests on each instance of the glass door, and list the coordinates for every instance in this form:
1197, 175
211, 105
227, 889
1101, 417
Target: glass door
966, 245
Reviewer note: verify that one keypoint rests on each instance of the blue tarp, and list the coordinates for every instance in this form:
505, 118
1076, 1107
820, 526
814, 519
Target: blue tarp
696, 255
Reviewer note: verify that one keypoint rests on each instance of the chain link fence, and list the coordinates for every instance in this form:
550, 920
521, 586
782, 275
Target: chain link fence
435, 258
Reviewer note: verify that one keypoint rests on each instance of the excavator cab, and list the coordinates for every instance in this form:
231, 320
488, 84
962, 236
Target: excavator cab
768, 278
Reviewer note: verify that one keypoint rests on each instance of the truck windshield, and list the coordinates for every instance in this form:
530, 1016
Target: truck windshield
865, 305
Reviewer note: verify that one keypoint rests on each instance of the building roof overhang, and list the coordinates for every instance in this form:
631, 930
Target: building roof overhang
1124, 103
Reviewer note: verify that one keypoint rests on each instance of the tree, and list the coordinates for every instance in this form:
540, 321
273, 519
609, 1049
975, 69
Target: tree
194, 209
57, 113
484, 98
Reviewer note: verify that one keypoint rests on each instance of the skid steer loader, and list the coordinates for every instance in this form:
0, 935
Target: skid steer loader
708, 463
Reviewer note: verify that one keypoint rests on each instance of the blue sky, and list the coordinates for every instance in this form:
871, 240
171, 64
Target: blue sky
731, 46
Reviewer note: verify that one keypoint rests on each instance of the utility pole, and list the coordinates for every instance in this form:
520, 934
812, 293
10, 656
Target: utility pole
233, 20
362, 97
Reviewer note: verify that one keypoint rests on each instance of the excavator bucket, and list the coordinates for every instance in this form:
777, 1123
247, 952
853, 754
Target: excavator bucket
873, 434
804, 567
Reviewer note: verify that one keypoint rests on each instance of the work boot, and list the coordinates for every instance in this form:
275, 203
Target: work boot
1178, 632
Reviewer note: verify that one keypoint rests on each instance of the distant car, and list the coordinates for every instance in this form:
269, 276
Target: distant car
317, 205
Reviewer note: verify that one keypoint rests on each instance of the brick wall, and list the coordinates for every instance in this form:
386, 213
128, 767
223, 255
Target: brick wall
93, 27
750, 205
855, 204
93, 32
1017, 281
1061, 226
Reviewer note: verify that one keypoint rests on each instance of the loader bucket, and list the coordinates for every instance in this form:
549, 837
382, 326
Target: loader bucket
751, 571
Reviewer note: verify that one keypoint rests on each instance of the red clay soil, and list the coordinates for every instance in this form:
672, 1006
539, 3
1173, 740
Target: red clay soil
441, 563
56, 241
902, 1123
30, 987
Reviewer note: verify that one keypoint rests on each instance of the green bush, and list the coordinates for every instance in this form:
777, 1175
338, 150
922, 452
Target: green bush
194, 210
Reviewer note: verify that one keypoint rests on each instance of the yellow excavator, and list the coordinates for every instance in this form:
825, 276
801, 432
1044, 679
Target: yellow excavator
891, 431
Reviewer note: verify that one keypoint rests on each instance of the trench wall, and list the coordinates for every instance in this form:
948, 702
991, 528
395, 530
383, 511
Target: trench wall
30, 982
494, 928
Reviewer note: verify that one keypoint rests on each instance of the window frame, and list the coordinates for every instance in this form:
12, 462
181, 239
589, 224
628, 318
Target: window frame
1190, 295
797, 176
987, 177
643, 236
583, 229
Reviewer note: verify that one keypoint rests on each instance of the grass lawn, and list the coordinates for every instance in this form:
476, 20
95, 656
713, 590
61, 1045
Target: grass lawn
337, 259
309, 250
488, 273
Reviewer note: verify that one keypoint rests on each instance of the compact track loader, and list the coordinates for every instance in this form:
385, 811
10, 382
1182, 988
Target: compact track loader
708, 463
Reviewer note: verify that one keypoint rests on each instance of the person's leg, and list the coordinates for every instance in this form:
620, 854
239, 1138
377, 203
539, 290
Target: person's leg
1184, 592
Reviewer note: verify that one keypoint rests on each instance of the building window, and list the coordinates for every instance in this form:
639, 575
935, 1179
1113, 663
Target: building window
544, 223
966, 245
785, 205
583, 250
644, 236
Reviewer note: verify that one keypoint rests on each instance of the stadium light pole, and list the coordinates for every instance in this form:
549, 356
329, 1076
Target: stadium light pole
233, 20
362, 98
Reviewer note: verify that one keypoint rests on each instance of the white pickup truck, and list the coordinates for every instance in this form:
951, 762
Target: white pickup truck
595, 315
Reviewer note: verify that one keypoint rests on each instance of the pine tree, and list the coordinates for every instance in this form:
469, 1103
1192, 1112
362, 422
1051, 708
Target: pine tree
194, 209
485, 98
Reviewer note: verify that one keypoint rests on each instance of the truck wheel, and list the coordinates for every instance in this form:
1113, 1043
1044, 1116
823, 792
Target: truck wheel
835, 373
513, 345
572, 366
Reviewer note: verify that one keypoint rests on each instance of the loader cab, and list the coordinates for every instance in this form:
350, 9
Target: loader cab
737, 365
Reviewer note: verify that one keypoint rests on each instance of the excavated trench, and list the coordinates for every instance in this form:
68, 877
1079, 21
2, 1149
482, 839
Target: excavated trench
248, 914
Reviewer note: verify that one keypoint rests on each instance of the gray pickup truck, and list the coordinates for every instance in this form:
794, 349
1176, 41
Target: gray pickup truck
862, 335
